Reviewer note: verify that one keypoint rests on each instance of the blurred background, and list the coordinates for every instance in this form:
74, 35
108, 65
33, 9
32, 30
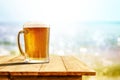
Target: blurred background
88, 29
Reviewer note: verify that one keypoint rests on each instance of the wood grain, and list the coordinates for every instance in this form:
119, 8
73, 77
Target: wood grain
47, 78
76, 67
4, 78
21, 70
4, 59
56, 64
59, 68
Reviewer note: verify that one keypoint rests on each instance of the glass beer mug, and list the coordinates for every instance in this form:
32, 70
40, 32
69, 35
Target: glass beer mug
36, 42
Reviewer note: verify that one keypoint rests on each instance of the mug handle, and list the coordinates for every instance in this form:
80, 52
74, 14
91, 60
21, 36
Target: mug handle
18, 42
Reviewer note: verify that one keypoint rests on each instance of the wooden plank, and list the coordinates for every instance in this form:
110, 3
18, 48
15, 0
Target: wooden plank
4, 59
55, 64
4, 78
76, 67
48, 78
55, 67
22, 69
59, 68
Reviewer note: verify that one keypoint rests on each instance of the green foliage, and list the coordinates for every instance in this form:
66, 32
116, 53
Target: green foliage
113, 70
5, 43
110, 71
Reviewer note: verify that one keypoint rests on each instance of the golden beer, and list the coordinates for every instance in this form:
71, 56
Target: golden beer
36, 40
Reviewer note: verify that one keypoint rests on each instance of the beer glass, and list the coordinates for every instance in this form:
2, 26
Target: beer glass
36, 42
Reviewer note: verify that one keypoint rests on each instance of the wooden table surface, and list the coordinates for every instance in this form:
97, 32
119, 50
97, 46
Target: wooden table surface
59, 68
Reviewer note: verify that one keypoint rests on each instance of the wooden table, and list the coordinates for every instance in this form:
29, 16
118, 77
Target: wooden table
59, 68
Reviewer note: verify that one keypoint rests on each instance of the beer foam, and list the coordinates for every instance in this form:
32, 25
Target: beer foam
35, 24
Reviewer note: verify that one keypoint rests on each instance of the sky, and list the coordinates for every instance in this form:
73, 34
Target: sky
65, 16
59, 11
